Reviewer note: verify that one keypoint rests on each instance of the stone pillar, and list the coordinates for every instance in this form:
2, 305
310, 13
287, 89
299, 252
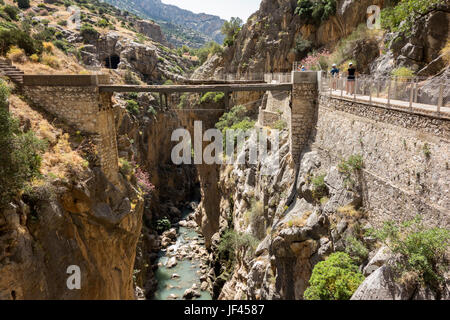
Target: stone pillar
303, 113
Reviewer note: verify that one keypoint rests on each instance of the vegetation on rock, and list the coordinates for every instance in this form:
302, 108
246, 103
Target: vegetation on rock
315, 11
336, 278
420, 250
20, 156
403, 15
231, 29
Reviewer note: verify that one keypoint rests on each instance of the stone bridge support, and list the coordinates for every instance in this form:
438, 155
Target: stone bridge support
76, 100
304, 103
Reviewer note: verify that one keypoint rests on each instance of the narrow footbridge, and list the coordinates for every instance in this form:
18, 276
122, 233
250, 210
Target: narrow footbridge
226, 88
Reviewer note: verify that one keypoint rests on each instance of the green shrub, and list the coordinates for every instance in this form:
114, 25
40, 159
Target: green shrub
230, 30
88, 32
280, 125
206, 51
421, 250
356, 249
402, 72
4, 95
62, 45
131, 78
354, 162
404, 14
103, 23
236, 245
62, 23
20, 156
163, 225
315, 11
132, 107
125, 167
215, 97
228, 119
302, 46
319, 189
11, 11
336, 278
183, 101
23, 4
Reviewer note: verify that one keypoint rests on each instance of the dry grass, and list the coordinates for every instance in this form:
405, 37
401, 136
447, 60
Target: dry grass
60, 160
299, 221
17, 55
50, 60
349, 211
48, 47
446, 52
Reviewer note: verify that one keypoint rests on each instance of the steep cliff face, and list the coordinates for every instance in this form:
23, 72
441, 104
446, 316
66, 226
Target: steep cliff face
268, 41
72, 216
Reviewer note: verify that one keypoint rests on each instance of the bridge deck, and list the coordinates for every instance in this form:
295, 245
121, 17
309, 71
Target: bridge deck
198, 88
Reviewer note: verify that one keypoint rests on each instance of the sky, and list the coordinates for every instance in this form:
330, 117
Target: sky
222, 8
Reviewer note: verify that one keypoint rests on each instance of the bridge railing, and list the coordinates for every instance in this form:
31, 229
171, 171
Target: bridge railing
397, 92
278, 77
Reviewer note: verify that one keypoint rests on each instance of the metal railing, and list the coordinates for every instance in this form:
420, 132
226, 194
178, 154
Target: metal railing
396, 92
278, 77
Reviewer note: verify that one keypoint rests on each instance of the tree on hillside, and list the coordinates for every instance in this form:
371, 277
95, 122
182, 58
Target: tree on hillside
230, 29
23, 4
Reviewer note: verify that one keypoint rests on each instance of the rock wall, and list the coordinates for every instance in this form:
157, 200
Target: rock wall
89, 224
405, 173
405, 157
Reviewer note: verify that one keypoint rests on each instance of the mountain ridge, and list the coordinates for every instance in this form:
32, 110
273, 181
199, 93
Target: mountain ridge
196, 28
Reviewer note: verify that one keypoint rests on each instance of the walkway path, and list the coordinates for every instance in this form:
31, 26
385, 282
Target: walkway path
393, 104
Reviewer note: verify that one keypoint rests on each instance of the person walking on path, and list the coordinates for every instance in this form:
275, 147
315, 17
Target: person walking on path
351, 78
334, 76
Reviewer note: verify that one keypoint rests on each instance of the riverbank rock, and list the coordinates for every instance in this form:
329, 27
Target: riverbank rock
190, 293
381, 285
172, 262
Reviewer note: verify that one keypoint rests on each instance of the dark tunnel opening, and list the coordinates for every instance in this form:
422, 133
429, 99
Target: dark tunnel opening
112, 61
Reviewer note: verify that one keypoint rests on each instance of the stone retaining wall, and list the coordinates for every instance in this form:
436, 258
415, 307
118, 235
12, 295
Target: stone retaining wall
406, 157
77, 101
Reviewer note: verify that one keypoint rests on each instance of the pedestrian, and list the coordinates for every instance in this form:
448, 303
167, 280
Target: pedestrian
351, 78
334, 76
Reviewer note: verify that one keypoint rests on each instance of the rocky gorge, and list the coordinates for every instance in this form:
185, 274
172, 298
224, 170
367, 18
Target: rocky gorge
232, 232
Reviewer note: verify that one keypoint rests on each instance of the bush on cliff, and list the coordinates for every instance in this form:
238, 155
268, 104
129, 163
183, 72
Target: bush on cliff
236, 245
215, 97
404, 14
421, 250
315, 11
16, 37
20, 156
23, 4
336, 278
230, 30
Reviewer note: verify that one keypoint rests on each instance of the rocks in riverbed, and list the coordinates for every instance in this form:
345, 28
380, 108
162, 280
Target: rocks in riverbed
175, 276
173, 296
172, 262
191, 293
204, 286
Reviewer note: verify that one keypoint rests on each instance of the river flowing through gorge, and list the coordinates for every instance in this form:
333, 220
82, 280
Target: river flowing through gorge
182, 266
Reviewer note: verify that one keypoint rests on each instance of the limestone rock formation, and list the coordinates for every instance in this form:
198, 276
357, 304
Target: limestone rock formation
91, 226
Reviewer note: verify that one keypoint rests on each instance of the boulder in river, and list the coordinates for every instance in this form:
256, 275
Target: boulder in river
190, 293
172, 262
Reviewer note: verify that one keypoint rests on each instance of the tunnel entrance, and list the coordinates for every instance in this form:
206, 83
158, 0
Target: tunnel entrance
112, 61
